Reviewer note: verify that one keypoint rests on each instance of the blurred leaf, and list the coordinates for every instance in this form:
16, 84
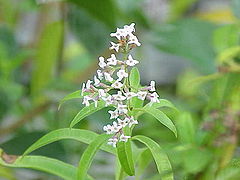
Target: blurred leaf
144, 160
185, 127
162, 103
236, 7
188, 38
47, 54
162, 118
6, 173
81, 135
86, 111
52, 166
229, 173
88, 155
225, 37
163, 164
74, 95
228, 54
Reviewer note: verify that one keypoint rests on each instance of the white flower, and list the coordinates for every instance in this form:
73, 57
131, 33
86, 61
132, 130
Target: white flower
119, 33
133, 40
114, 46
108, 129
130, 95
142, 95
101, 63
131, 62
108, 100
152, 86
121, 74
131, 121
124, 138
117, 85
112, 141
95, 102
112, 60
88, 84
83, 89
96, 81
100, 74
114, 114
119, 96
101, 93
108, 77
86, 100
122, 109
154, 98
116, 127
129, 28
121, 122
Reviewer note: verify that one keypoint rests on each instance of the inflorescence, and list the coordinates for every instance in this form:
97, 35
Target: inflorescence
111, 84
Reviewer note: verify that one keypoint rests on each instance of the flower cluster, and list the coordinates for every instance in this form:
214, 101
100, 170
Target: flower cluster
111, 85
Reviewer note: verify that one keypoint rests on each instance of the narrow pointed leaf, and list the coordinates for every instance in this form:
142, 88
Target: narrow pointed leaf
86, 111
162, 118
134, 78
143, 162
160, 157
49, 165
88, 155
74, 95
81, 135
162, 103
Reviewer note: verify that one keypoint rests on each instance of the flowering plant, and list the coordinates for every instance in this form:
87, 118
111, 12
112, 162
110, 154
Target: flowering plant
116, 85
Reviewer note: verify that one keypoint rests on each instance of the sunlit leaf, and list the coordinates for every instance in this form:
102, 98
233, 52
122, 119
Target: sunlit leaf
74, 95
88, 155
161, 159
86, 111
161, 103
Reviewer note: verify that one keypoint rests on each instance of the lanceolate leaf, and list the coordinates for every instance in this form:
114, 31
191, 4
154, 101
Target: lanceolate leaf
86, 111
134, 78
162, 103
144, 160
81, 135
162, 118
163, 164
52, 166
74, 95
88, 155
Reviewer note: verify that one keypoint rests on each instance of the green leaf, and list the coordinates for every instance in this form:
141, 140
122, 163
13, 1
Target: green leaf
124, 151
81, 135
86, 111
134, 78
162, 103
52, 166
144, 160
74, 95
228, 54
162, 118
161, 159
46, 56
88, 155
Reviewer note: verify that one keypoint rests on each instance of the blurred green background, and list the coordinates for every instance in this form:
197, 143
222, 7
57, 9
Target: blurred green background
190, 47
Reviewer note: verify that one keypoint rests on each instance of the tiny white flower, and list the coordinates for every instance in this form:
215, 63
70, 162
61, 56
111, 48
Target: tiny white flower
108, 100
129, 28
124, 138
122, 109
116, 127
101, 93
86, 100
131, 121
112, 141
83, 89
114, 46
119, 33
154, 98
101, 63
95, 102
108, 77
133, 40
119, 96
112, 60
142, 95
100, 74
152, 86
88, 84
114, 114
130, 95
117, 85
121, 122
121, 74
96, 81
108, 129
131, 62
